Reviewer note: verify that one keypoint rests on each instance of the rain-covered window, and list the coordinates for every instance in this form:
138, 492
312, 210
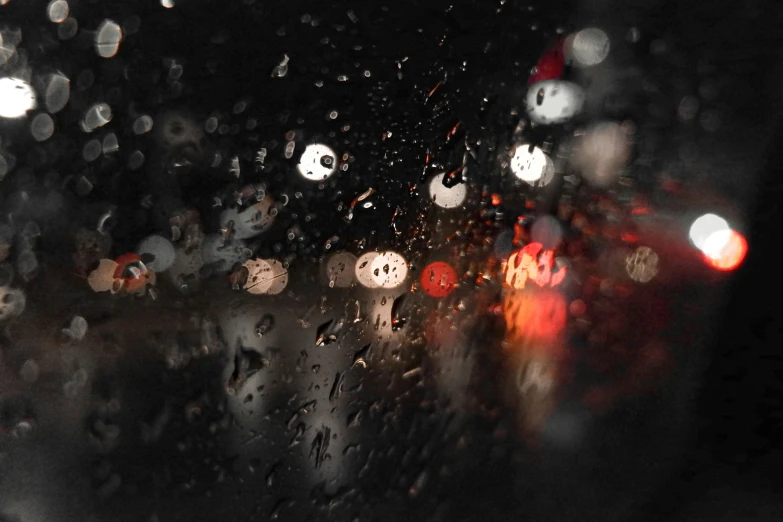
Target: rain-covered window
366, 260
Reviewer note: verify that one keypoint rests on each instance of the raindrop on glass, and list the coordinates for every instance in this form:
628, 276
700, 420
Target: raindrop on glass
57, 11
97, 116
107, 39
42, 127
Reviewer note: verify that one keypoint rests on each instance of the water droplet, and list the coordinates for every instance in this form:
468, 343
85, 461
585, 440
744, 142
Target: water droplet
282, 68
265, 325
96, 116
77, 329
57, 11
108, 38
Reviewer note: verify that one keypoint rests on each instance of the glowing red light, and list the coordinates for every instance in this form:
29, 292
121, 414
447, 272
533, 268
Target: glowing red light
532, 263
123, 261
438, 279
535, 315
731, 255
551, 64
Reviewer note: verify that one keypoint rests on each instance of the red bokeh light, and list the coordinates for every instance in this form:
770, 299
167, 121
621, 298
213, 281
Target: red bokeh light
731, 255
438, 279
551, 64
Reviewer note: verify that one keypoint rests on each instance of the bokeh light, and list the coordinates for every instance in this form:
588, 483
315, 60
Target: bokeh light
704, 227
602, 152
249, 222
447, 197
438, 279
341, 270
265, 276
725, 250
160, 249
389, 269
108, 38
16, 97
588, 47
534, 316
259, 278
92, 150
96, 116
110, 143
529, 163
57, 11
551, 64
142, 124
318, 162
532, 263
58, 91
642, 264
279, 276
554, 101
364, 266
102, 278
42, 127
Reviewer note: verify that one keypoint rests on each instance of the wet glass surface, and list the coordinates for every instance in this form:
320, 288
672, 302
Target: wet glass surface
368, 260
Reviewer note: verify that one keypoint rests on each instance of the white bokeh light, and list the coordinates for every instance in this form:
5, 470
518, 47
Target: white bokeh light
364, 270
96, 116
389, 269
259, 278
57, 11
16, 98
715, 243
446, 197
602, 152
265, 276
704, 227
58, 91
341, 270
159, 247
642, 264
318, 162
552, 102
588, 47
279, 276
251, 221
142, 124
108, 38
530, 165
42, 127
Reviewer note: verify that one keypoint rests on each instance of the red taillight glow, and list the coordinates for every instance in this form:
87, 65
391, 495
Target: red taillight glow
729, 251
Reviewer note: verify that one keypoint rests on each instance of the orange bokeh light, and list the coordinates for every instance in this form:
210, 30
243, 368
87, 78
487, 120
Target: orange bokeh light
536, 315
731, 255
532, 263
